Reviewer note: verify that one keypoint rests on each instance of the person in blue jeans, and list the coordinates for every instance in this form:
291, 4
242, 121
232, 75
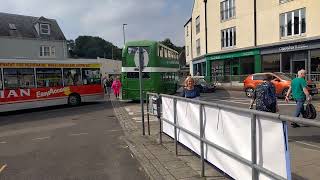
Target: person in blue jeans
300, 94
189, 91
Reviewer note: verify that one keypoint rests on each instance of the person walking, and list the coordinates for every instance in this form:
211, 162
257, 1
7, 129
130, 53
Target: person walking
189, 91
116, 86
265, 96
108, 87
299, 93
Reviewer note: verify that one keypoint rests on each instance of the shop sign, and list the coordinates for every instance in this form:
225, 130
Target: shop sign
233, 55
293, 48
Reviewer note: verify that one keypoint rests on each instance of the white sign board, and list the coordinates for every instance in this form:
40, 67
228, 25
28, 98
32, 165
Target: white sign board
145, 57
232, 131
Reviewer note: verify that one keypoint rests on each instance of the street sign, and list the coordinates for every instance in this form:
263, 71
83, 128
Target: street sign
144, 58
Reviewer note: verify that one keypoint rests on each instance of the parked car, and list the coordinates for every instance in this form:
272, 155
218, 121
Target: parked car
204, 86
281, 81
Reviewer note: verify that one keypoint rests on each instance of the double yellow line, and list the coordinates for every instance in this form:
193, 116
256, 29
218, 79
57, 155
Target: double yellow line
2, 168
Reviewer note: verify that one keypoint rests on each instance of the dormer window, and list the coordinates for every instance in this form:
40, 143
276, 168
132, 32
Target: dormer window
12, 27
44, 29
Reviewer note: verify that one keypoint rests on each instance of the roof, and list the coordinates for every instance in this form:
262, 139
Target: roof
189, 20
25, 27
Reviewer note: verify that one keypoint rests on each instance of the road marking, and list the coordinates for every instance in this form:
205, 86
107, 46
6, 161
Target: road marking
41, 138
312, 145
2, 168
79, 134
127, 109
110, 131
3, 142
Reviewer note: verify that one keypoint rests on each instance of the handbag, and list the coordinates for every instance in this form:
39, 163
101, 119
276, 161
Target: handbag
310, 112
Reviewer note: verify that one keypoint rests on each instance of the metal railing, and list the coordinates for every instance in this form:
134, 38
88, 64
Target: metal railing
256, 168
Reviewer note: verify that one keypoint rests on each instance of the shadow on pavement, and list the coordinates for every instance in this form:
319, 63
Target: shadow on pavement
51, 112
297, 177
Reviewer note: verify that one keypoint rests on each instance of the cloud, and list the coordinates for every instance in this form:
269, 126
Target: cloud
146, 19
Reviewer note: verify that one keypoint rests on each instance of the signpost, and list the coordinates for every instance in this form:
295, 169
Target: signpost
141, 65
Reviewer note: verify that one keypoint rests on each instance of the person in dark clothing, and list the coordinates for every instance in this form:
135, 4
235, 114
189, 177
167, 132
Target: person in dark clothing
265, 96
189, 91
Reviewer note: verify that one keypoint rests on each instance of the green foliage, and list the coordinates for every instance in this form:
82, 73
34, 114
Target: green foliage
167, 42
93, 47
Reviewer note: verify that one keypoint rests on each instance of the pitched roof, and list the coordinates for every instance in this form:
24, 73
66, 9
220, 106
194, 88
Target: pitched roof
25, 27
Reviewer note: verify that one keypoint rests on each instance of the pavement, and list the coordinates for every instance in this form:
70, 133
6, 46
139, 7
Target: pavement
159, 160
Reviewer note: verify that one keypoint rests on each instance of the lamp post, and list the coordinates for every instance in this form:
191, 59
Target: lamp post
124, 35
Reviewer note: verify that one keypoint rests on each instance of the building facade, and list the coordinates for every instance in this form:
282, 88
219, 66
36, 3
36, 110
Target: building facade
255, 36
27, 37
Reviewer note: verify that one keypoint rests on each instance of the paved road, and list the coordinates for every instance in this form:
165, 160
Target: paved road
84, 142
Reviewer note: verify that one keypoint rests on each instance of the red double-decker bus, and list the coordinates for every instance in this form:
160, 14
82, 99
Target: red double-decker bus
28, 84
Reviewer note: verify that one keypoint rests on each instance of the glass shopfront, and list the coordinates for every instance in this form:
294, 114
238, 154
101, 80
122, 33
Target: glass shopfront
290, 58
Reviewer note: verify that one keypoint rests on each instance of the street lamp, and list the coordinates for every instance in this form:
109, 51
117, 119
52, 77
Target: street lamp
124, 35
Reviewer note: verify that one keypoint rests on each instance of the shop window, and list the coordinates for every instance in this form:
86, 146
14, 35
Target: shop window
72, 77
247, 65
271, 63
49, 77
315, 62
89, 76
286, 58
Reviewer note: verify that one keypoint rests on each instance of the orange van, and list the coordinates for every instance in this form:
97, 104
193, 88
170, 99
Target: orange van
281, 81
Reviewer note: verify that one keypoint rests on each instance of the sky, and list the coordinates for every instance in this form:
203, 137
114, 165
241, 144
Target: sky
146, 19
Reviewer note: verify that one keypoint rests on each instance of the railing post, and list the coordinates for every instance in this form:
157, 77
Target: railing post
201, 142
148, 117
175, 124
254, 146
159, 117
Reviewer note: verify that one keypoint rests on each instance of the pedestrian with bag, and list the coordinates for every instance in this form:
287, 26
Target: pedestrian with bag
189, 91
300, 94
265, 96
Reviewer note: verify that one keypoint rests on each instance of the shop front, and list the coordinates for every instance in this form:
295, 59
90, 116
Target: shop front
290, 58
234, 66
199, 67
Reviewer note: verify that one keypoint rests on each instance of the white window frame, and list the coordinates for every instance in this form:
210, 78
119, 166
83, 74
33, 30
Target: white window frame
42, 25
229, 39
292, 23
50, 53
227, 10
198, 29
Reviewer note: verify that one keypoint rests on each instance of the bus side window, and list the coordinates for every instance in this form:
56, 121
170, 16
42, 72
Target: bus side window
91, 76
1, 81
72, 77
18, 78
49, 77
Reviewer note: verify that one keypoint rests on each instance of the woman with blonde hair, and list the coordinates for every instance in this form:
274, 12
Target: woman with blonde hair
189, 91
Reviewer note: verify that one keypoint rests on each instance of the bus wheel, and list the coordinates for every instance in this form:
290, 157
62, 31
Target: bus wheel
74, 100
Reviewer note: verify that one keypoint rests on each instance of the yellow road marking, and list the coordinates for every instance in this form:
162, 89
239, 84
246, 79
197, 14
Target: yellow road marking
2, 168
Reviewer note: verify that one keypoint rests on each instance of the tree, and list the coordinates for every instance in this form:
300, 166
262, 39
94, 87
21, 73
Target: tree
93, 47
